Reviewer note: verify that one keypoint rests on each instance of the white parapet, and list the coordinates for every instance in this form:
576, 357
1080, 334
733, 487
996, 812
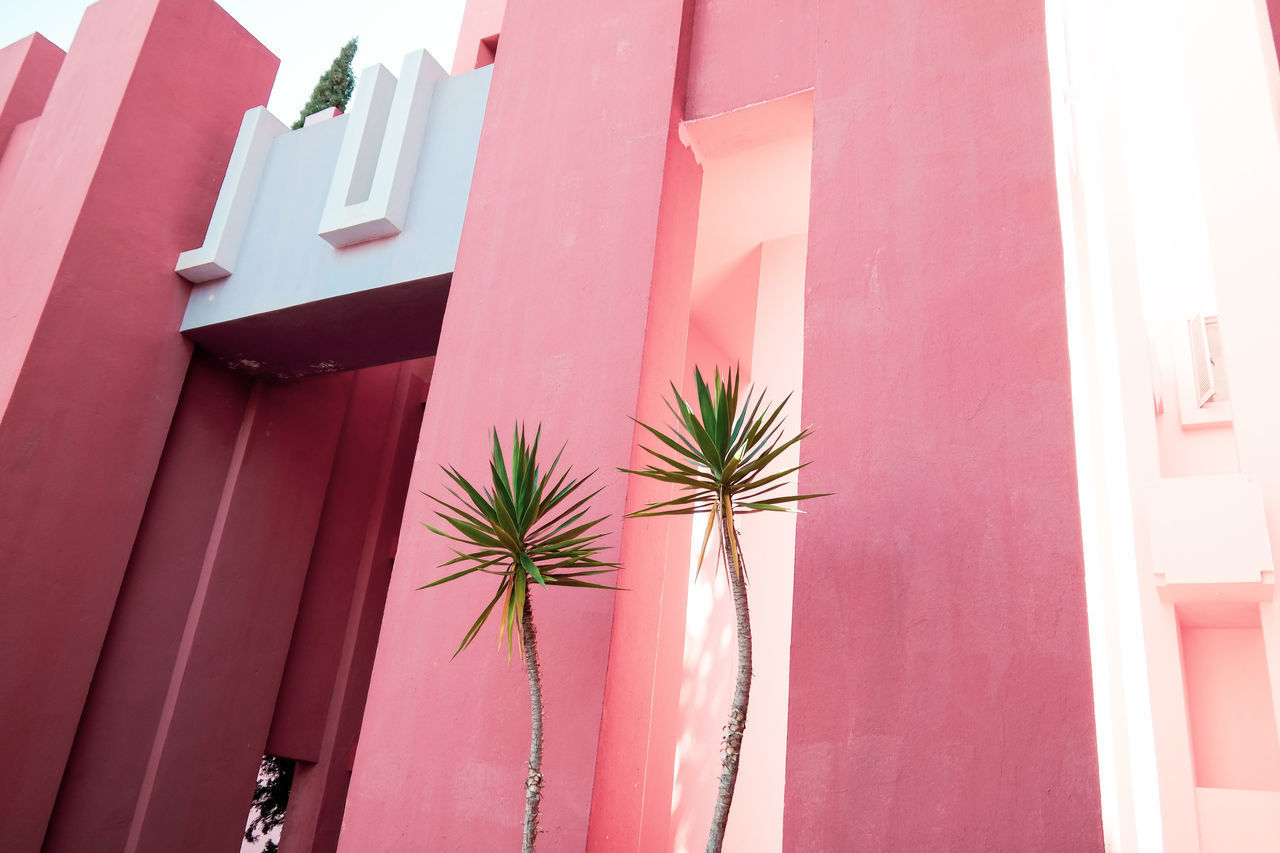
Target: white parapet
322, 115
217, 257
369, 193
304, 299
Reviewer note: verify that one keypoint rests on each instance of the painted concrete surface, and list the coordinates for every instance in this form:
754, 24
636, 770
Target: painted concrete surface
119, 172
746, 311
295, 304
326, 679
1170, 163
216, 257
632, 794
1230, 708
27, 71
940, 673
236, 638
558, 258
117, 729
748, 52
481, 21
373, 179
939, 678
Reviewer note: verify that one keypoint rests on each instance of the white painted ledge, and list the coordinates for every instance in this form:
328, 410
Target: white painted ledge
217, 257
322, 115
1209, 540
378, 159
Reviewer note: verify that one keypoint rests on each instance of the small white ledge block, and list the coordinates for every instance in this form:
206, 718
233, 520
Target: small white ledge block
378, 159
322, 115
217, 257
1209, 540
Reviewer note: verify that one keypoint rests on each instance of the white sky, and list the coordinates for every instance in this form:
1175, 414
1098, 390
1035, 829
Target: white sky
305, 34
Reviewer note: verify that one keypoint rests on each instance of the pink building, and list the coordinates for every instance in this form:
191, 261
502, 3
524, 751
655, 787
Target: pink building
1017, 259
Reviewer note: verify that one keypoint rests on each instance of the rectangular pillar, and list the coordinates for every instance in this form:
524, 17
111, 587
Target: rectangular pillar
27, 71
940, 675
218, 702
635, 765
113, 741
120, 176
546, 323
322, 694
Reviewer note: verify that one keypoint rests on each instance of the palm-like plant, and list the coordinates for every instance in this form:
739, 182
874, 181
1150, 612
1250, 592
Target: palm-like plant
528, 527
719, 454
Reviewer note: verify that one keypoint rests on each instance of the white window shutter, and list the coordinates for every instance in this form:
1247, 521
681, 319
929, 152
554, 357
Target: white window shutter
1201, 360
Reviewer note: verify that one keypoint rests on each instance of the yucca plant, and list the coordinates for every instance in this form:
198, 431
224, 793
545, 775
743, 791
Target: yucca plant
719, 454
528, 527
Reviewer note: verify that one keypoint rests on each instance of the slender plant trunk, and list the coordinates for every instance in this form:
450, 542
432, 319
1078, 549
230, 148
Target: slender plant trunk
533, 785
742, 688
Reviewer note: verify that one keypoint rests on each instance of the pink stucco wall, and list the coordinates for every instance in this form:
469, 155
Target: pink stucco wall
118, 178
481, 19
1229, 706
940, 673
563, 268
748, 52
27, 71
747, 310
929, 689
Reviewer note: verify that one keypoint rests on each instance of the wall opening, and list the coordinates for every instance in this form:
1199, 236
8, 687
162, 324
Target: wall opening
269, 805
746, 311
1230, 713
487, 53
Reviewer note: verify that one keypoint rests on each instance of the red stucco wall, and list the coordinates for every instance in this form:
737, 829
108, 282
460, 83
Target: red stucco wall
120, 175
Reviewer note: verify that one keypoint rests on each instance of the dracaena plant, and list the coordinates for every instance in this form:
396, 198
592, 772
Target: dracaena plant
527, 528
722, 457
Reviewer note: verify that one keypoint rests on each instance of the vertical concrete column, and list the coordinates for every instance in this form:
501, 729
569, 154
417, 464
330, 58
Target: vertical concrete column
121, 173
635, 765
220, 697
27, 71
108, 762
147, 652
481, 19
940, 677
317, 717
546, 324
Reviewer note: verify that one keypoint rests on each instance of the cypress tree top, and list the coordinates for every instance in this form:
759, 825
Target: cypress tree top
334, 86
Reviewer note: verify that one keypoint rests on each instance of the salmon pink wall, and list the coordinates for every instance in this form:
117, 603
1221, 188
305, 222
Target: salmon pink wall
1229, 705
633, 787
746, 311
545, 324
480, 20
749, 51
940, 674
27, 71
778, 371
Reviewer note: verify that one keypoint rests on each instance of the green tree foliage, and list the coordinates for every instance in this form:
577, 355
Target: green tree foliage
334, 87
720, 455
527, 528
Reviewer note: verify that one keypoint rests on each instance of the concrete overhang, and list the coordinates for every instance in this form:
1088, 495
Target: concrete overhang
332, 247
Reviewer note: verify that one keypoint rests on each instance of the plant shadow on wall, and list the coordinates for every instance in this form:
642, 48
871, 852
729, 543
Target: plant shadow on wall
719, 454
528, 527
